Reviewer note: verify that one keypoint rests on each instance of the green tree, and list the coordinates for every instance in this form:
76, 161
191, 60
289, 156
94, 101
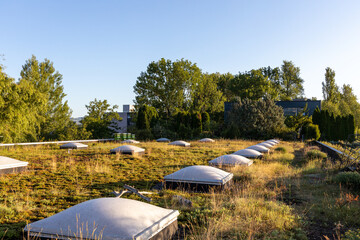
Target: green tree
299, 120
252, 85
290, 81
206, 96
147, 117
223, 81
329, 88
273, 74
19, 110
100, 119
168, 86
47, 81
255, 118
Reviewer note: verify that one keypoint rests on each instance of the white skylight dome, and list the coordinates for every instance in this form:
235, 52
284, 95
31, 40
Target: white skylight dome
10, 165
205, 140
200, 174
259, 148
107, 218
128, 149
180, 143
249, 153
267, 145
163, 140
231, 160
73, 146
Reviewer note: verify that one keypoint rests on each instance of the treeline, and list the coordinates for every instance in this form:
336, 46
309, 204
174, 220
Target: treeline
334, 128
180, 95
33, 108
189, 103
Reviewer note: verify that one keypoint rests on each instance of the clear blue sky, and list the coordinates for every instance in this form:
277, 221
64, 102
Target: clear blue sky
100, 47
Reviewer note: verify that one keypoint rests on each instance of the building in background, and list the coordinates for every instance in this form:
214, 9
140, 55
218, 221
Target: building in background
126, 118
292, 108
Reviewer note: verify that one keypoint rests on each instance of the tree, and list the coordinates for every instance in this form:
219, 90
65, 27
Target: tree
147, 117
223, 81
329, 88
56, 112
273, 74
206, 96
255, 118
299, 120
290, 81
19, 110
252, 85
100, 120
168, 86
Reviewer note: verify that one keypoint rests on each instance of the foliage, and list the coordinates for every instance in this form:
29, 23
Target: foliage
315, 154
206, 96
340, 103
329, 88
55, 111
147, 117
167, 86
334, 127
254, 119
205, 118
349, 179
280, 149
290, 81
352, 234
299, 120
100, 119
311, 131
251, 85
74, 132
20, 105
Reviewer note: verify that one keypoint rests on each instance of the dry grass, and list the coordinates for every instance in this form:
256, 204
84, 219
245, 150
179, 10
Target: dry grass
257, 206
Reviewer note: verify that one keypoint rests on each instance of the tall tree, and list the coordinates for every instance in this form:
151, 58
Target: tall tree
329, 88
349, 98
100, 120
19, 110
252, 85
206, 96
273, 74
290, 81
56, 112
223, 81
168, 86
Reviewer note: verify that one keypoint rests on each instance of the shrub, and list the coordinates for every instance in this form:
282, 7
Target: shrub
311, 131
280, 149
349, 179
286, 133
352, 235
144, 134
255, 118
316, 154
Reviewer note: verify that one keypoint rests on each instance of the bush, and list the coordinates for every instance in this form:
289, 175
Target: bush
285, 133
352, 235
144, 134
315, 154
256, 119
349, 179
311, 131
280, 149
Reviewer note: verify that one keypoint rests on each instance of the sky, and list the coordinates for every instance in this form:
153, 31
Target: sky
101, 47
